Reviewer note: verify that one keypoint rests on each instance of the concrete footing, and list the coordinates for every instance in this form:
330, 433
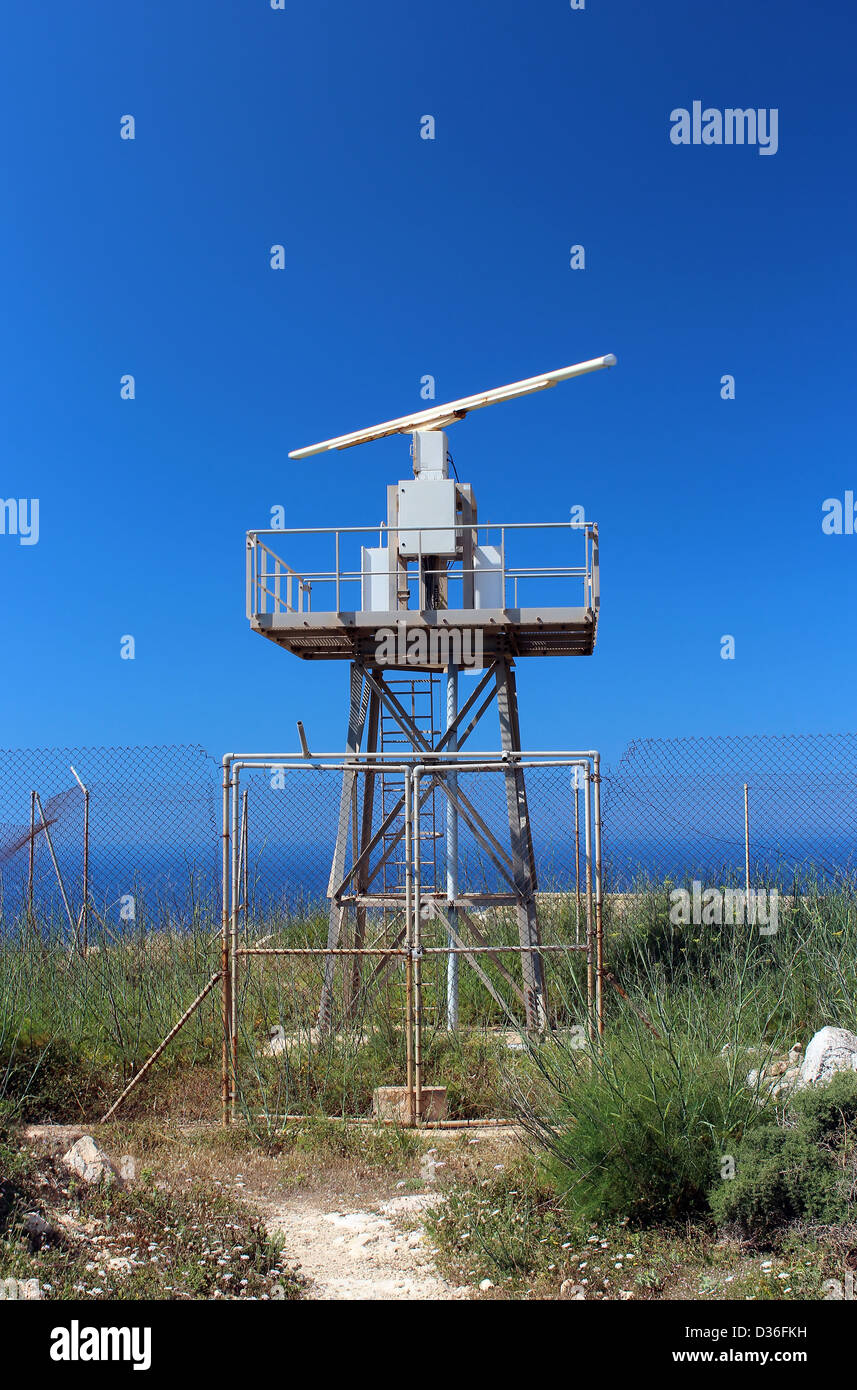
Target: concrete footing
391, 1103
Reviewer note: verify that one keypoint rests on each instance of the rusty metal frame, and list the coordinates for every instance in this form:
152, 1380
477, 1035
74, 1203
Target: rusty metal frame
235, 869
430, 765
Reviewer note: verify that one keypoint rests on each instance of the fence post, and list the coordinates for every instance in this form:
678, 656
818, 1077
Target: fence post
233, 942
31, 863
590, 943
409, 938
576, 781
245, 847
416, 952
83, 920
452, 849
85, 869
599, 902
747, 854
226, 992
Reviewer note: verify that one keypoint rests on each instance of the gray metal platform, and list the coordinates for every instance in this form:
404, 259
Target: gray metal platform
515, 632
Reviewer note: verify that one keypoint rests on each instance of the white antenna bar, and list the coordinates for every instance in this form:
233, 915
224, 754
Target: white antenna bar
439, 416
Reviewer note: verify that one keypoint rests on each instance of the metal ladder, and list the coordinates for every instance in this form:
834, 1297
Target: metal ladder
419, 697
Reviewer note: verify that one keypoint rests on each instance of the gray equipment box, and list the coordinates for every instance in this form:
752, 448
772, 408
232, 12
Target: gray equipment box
427, 503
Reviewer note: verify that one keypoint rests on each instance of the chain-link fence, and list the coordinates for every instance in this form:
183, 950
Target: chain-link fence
147, 841
676, 808
672, 808
290, 838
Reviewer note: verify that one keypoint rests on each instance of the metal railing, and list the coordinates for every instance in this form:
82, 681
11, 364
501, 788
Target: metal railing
275, 586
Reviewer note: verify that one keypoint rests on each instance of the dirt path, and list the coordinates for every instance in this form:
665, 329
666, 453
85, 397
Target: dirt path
360, 1254
349, 1235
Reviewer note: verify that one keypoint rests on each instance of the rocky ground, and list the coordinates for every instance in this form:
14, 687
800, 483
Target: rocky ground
361, 1254
331, 1212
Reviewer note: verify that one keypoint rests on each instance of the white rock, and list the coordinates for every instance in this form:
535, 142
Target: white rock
830, 1051
90, 1163
485, 1285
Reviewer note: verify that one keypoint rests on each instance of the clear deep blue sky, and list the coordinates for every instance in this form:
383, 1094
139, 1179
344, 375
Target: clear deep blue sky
406, 257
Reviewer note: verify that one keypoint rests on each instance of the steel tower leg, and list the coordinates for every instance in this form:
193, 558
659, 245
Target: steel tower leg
362, 835
523, 857
347, 808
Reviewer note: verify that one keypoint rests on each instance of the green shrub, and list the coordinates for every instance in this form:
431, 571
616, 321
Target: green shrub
828, 1114
638, 1129
800, 1168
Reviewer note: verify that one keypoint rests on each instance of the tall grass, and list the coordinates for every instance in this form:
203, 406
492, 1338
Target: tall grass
640, 1126
73, 1029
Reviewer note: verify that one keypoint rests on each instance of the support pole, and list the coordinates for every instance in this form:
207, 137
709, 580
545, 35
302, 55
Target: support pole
233, 944
523, 857
84, 911
452, 850
85, 927
356, 719
245, 844
360, 854
416, 953
32, 856
150, 1061
409, 937
226, 991
590, 935
751, 920
599, 900
576, 783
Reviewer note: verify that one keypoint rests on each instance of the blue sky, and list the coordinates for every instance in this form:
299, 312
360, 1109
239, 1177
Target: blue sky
406, 257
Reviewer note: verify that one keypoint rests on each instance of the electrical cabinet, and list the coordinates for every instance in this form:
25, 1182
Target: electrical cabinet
426, 503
